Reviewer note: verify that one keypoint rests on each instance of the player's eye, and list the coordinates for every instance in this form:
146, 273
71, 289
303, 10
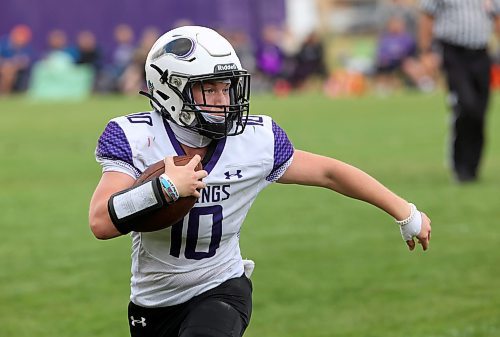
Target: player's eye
209, 91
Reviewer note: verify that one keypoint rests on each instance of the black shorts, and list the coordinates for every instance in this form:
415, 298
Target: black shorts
223, 311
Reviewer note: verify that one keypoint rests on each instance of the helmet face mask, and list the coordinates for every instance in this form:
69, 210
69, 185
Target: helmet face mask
218, 121
192, 58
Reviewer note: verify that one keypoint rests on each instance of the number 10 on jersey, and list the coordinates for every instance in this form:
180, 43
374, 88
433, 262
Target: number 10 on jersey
193, 226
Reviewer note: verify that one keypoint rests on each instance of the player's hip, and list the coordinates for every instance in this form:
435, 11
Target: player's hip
226, 308
159, 289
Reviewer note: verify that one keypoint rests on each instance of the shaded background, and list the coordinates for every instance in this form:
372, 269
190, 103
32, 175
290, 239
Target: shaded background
100, 17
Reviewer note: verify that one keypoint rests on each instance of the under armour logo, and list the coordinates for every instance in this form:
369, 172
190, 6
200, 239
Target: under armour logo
229, 175
141, 321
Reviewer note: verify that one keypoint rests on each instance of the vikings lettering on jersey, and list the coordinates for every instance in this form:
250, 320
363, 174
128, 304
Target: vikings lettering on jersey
200, 252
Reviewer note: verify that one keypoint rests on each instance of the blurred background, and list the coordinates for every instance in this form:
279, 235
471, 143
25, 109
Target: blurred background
58, 50
343, 78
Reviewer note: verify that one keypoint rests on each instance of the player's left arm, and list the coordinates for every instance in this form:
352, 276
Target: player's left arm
315, 170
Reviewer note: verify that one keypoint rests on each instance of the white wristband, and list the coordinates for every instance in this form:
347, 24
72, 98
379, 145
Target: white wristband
135, 200
413, 210
412, 225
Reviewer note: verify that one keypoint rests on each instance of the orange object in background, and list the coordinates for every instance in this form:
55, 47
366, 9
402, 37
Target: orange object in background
345, 83
495, 76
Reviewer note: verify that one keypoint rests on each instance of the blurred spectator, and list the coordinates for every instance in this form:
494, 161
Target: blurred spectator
423, 71
395, 48
121, 58
16, 56
289, 42
309, 61
404, 9
244, 49
57, 41
290, 46
124, 51
269, 56
134, 77
56, 76
87, 51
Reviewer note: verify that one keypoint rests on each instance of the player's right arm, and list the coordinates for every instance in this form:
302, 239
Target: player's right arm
186, 180
99, 219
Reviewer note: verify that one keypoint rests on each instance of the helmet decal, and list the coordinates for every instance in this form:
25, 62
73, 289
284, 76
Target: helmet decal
151, 87
181, 47
225, 67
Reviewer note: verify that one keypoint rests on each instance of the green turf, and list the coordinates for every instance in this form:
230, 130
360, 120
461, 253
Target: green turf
326, 265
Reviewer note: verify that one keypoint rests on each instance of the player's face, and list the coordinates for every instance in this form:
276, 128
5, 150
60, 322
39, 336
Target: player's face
212, 93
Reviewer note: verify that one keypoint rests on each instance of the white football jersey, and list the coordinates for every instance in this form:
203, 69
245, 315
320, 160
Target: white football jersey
172, 265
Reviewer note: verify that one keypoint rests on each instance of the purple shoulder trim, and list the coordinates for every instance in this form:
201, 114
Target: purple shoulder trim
113, 144
283, 151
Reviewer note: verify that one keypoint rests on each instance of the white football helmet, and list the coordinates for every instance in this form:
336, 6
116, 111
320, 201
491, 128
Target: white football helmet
188, 55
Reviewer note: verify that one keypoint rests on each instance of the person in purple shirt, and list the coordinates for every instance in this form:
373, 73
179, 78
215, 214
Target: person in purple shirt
394, 57
270, 57
16, 57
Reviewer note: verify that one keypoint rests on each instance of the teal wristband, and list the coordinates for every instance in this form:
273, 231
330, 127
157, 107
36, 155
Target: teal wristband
169, 187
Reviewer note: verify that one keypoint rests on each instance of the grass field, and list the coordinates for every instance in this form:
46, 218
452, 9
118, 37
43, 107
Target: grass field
326, 265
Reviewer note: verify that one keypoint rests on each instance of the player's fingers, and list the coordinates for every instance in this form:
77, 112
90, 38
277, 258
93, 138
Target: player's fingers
200, 174
196, 194
194, 161
411, 244
424, 242
200, 185
169, 161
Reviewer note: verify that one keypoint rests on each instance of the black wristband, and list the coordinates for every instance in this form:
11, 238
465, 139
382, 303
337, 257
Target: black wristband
122, 205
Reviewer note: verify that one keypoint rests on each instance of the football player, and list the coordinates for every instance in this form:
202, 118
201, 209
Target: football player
190, 279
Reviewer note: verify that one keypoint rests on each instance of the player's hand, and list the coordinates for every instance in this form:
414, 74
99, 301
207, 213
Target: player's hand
187, 181
424, 236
